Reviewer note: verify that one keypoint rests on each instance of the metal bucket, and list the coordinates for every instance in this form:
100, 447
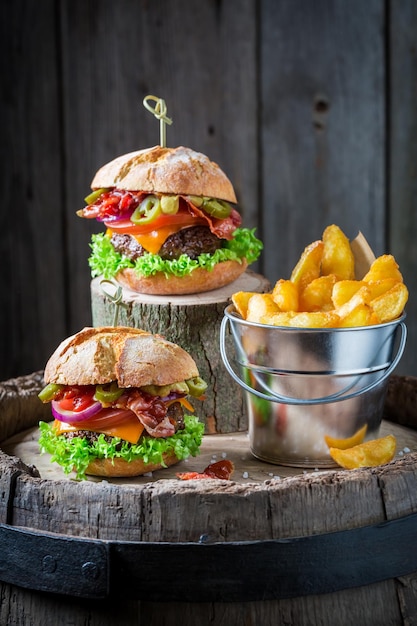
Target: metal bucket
303, 384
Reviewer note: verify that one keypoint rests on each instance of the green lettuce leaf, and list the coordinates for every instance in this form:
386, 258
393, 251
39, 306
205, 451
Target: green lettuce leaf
105, 261
75, 454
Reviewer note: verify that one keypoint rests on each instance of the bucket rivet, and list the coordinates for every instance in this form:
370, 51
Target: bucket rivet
48, 564
90, 570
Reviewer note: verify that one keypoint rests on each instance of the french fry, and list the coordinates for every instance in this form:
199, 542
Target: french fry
378, 287
361, 315
390, 304
343, 290
308, 265
278, 319
369, 454
240, 300
383, 267
317, 295
285, 295
314, 319
362, 296
323, 293
259, 305
337, 254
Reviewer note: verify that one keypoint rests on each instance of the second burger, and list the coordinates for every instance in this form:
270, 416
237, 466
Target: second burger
170, 227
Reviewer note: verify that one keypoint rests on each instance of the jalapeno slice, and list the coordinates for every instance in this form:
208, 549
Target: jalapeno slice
108, 393
148, 210
196, 386
49, 392
219, 209
94, 195
170, 204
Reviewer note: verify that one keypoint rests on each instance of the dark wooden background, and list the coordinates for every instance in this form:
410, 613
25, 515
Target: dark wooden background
310, 106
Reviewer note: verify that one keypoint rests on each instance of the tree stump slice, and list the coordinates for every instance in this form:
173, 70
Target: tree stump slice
193, 322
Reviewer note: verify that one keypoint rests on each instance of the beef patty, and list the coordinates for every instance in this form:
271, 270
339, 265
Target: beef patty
192, 241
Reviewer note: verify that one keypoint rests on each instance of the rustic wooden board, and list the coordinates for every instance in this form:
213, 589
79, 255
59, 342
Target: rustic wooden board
232, 446
254, 508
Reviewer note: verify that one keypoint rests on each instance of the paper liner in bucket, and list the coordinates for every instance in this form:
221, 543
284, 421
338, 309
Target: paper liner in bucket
305, 384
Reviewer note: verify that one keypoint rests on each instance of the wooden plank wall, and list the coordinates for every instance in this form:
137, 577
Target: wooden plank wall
309, 106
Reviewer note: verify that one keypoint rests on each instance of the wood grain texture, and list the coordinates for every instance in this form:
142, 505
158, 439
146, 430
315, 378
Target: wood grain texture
308, 107
171, 510
402, 158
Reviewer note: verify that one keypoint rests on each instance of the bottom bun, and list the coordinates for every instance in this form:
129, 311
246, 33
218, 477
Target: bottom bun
119, 468
198, 281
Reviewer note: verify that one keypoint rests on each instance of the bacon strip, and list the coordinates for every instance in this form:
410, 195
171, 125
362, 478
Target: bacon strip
150, 411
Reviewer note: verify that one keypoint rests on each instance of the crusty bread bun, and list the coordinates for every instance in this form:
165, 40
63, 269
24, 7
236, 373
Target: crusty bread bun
132, 357
166, 170
198, 281
119, 468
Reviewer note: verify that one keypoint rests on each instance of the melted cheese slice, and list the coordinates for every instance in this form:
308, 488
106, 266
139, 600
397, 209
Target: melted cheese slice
155, 239
129, 430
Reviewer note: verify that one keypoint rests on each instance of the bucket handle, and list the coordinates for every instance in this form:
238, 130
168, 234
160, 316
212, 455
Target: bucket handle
275, 397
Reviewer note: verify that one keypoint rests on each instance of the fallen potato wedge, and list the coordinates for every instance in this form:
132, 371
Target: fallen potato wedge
349, 442
369, 454
338, 257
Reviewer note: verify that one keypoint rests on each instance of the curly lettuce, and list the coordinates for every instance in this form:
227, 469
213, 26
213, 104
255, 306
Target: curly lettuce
75, 454
107, 262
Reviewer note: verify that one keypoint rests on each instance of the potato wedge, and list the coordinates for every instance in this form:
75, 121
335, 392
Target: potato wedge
349, 442
378, 287
362, 296
383, 267
259, 305
278, 319
390, 304
308, 265
240, 300
369, 454
361, 315
343, 290
338, 257
317, 295
314, 319
285, 295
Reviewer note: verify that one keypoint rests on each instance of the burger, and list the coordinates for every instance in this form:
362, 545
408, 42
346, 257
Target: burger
119, 401
170, 224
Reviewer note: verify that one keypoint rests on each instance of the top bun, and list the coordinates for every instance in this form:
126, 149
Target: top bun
166, 170
132, 357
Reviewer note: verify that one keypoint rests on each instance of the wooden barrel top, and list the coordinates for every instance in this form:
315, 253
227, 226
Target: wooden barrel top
263, 505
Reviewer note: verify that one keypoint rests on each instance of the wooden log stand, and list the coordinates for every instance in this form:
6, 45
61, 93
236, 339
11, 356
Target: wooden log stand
192, 322
273, 545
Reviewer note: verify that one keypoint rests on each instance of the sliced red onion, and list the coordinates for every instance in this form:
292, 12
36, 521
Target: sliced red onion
72, 417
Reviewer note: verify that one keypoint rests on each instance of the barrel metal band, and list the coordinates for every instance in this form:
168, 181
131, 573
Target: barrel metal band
208, 572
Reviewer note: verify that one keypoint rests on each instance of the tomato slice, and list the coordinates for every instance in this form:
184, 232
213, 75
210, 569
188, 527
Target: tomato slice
178, 219
76, 398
